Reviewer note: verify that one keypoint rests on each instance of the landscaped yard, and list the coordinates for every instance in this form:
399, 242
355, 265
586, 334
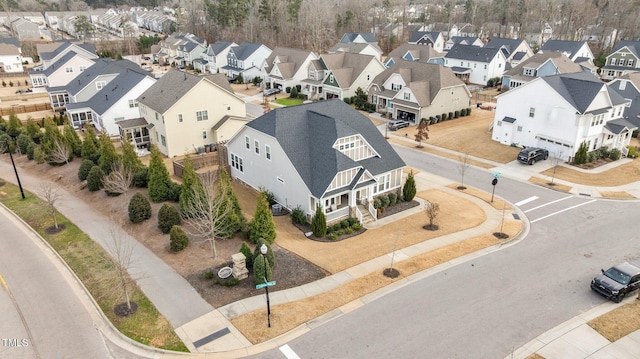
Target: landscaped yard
286, 101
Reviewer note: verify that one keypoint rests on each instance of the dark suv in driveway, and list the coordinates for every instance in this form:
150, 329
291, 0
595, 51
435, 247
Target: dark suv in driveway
531, 155
617, 281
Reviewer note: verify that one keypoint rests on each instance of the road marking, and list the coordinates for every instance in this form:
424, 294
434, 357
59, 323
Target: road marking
525, 201
4, 284
546, 204
288, 352
563, 210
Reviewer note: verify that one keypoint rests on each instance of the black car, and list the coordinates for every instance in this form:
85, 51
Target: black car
618, 281
531, 155
398, 124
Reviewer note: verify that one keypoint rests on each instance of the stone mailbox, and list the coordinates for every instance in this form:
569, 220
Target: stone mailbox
240, 270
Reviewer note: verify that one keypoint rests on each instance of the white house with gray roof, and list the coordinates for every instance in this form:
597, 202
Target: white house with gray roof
577, 51
362, 48
515, 50
323, 153
475, 64
623, 59
286, 67
560, 112
628, 86
182, 111
346, 72
539, 65
433, 39
10, 57
62, 61
246, 59
216, 56
412, 90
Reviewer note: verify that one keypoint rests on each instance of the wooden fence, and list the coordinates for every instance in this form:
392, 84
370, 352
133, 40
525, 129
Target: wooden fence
16, 109
209, 159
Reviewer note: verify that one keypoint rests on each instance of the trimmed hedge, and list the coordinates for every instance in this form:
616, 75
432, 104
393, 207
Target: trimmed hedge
139, 208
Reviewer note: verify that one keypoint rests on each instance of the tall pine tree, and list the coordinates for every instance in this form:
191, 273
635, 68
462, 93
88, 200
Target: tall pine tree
262, 225
90, 145
234, 217
108, 154
159, 183
190, 184
72, 139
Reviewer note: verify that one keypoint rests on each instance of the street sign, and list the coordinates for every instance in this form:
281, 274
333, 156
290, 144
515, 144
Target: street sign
267, 284
494, 181
496, 174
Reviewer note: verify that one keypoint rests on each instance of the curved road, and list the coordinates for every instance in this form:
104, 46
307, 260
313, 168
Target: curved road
44, 312
489, 306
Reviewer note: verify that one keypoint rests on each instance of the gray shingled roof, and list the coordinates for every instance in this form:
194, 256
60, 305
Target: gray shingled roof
618, 125
101, 67
132, 123
562, 63
11, 41
66, 44
113, 92
632, 92
579, 89
346, 66
472, 53
307, 133
353, 47
350, 36
59, 63
423, 53
290, 60
244, 50
633, 46
509, 44
217, 47
173, 86
417, 35
570, 47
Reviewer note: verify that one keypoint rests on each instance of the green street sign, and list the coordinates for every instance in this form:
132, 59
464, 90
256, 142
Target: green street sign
267, 284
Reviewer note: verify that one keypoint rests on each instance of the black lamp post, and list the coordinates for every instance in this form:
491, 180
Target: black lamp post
14, 168
263, 250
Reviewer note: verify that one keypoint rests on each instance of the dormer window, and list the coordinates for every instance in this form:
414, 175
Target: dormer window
528, 71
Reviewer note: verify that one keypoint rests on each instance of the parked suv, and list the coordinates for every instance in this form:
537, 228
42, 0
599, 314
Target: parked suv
398, 124
617, 281
531, 155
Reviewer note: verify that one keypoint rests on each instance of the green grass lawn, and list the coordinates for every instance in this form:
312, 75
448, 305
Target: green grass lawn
94, 267
288, 101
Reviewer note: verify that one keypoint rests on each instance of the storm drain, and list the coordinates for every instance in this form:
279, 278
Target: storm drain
211, 337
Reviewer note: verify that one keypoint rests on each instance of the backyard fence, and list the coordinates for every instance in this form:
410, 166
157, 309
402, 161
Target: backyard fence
16, 109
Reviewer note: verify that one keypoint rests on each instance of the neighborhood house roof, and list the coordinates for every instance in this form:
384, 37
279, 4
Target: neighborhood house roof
472, 53
418, 52
308, 132
367, 36
508, 44
570, 47
244, 50
633, 46
618, 125
417, 35
580, 89
101, 67
346, 66
290, 60
217, 47
50, 55
561, 62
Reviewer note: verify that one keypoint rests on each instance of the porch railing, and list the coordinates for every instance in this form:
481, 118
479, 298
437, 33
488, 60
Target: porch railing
337, 214
373, 211
358, 214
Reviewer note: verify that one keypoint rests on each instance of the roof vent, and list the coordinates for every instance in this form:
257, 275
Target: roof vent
106, 97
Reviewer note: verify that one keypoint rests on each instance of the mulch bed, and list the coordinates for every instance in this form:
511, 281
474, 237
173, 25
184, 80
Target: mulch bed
122, 309
594, 164
54, 230
397, 208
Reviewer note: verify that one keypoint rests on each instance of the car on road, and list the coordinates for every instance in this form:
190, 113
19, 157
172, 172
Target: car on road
272, 91
398, 124
21, 91
618, 281
531, 155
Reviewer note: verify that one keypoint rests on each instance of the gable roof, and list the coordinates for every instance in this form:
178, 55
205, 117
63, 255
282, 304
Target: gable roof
101, 67
417, 35
244, 50
367, 36
472, 53
217, 47
66, 45
9, 49
560, 60
633, 46
307, 133
570, 47
59, 63
464, 40
424, 80
290, 60
353, 47
421, 52
346, 66
173, 86
509, 44
10, 40
579, 89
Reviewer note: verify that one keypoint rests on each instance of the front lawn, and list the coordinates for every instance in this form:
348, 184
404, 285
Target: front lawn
288, 101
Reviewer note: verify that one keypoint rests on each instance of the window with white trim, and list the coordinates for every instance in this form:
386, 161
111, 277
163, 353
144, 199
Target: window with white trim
236, 162
247, 142
133, 103
163, 140
82, 68
202, 115
68, 69
256, 146
613, 61
179, 117
407, 96
100, 84
204, 135
384, 182
532, 111
267, 151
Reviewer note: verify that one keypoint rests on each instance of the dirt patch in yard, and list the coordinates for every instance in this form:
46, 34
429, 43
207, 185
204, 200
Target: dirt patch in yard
440, 153
546, 183
617, 176
617, 194
619, 322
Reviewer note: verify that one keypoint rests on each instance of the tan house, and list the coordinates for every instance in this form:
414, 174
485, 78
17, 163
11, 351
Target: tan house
183, 111
412, 90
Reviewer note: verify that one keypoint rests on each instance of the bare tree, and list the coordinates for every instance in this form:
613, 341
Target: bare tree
121, 250
432, 210
463, 167
120, 179
555, 161
423, 132
60, 152
51, 196
206, 212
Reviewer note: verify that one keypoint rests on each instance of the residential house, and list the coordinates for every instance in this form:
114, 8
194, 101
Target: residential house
216, 56
114, 102
182, 111
628, 86
515, 50
413, 90
537, 34
413, 52
577, 51
462, 40
539, 65
22, 28
322, 154
50, 53
476, 65
246, 59
190, 51
61, 62
177, 48
10, 57
86, 85
357, 48
560, 112
623, 59
359, 37
346, 72
433, 39
286, 67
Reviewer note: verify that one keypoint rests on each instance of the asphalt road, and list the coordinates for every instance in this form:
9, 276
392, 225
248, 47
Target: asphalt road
489, 306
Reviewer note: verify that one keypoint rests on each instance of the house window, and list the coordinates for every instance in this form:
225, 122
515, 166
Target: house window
475, 65
528, 71
163, 140
407, 96
368, 77
267, 152
519, 128
499, 123
133, 103
384, 182
630, 62
485, 66
461, 63
256, 146
453, 90
204, 135
312, 75
100, 84
614, 61
331, 78
236, 162
179, 117
156, 116
202, 115
68, 69
595, 143
532, 111
82, 68
396, 87
247, 143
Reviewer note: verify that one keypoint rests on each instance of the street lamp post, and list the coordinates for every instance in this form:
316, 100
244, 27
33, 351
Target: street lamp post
14, 168
263, 250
